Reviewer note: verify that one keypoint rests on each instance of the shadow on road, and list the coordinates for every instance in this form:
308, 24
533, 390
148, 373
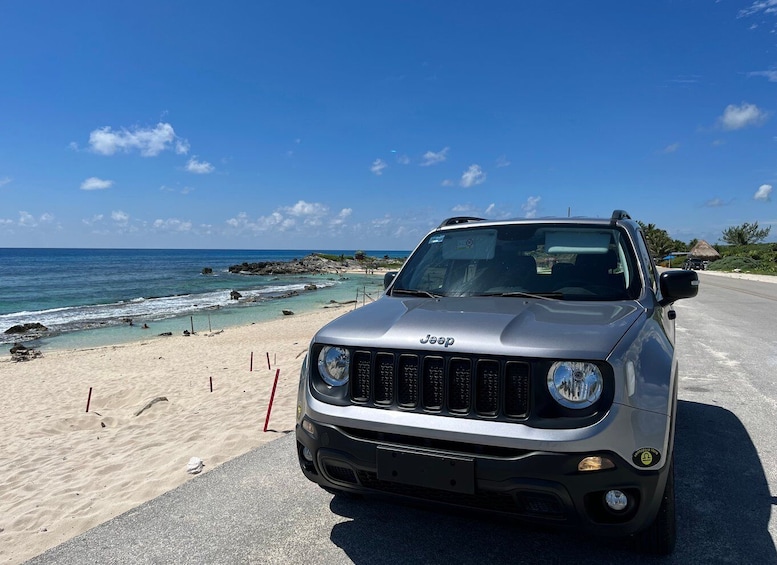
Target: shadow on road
724, 505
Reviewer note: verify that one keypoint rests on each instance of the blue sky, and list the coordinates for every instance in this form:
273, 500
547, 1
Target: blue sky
362, 124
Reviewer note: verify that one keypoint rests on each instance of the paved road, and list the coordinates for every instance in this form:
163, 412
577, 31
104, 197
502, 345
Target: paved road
258, 508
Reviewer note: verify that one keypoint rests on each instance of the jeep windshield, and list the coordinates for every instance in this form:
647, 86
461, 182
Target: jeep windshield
542, 260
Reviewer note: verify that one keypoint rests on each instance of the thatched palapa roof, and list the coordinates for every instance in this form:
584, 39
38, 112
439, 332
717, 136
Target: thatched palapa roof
704, 250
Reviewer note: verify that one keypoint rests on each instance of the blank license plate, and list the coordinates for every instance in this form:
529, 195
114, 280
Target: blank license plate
442, 472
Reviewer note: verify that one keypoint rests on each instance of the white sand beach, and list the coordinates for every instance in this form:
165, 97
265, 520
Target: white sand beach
65, 470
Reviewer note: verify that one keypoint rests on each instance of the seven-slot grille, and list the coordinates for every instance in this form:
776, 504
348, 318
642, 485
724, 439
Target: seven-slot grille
477, 387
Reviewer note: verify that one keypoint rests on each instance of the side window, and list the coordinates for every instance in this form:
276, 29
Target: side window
651, 268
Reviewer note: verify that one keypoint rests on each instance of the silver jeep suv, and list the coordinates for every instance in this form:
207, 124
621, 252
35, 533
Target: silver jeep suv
525, 367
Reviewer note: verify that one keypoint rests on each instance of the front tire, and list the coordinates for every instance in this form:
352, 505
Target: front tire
660, 537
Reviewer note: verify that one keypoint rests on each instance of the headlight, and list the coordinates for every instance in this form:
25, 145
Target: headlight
333, 364
575, 384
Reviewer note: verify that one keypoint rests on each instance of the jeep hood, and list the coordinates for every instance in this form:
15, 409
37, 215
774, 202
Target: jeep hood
494, 326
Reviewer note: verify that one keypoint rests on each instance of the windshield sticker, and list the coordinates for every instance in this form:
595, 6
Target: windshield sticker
436, 239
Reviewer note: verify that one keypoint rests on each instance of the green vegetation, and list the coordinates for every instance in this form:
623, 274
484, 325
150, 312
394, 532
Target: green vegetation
746, 234
659, 242
741, 249
757, 258
365, 261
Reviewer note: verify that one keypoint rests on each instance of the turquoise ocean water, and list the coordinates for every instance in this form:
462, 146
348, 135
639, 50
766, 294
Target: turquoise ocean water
85, 296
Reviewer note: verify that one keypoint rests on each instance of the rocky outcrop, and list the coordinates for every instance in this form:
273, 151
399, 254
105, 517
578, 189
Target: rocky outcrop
317, 264
311, 264
21, 353
34, 328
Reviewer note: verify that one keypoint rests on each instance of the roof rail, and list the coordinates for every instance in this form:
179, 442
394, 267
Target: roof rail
619, 215
459, 220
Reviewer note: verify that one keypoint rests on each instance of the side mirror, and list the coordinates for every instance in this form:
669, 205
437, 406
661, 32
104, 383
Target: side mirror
678, 284
388, 278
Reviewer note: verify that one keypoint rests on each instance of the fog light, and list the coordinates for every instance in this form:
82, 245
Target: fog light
595, 463
308, 426
616, 500
307, 455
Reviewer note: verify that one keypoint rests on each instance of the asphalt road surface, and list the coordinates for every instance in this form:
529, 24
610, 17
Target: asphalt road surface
259, 509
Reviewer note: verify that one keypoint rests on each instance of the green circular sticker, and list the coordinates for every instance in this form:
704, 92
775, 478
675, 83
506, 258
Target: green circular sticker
646, 457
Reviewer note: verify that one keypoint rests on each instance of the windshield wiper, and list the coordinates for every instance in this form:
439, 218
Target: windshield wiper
519, 294
414, 292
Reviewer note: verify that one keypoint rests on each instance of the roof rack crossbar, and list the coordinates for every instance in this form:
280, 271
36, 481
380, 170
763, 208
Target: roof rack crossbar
459, 220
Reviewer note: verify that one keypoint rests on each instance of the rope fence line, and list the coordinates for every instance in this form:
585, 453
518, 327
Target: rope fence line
364, 296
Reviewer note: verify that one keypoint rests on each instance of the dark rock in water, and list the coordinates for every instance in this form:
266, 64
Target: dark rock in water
207, 271
186, 333
166, 333
26, 328
287, 312
311, 287
234, 295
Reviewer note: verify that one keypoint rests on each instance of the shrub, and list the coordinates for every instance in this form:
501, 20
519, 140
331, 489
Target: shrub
743, 263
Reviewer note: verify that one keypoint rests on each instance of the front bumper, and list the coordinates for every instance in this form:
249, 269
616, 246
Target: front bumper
543, 487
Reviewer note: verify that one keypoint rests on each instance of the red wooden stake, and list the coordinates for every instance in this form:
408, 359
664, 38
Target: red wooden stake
268, 361
272, 396
251, 366
89, 399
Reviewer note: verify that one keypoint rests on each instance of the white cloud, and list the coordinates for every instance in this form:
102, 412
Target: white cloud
339, 220
738, 117
714, 203
96, 219
306, 209
530, 206
447, 182
296, 217
502, 162
6, 180
403, 159
377, 166
765, 6
771, 76
671, 148
182, 146
472, 176
120, 217
490, 209
199, 167
94, 183
432, 158
173, 225
764, 193
382, 222
27, 220
149, 141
